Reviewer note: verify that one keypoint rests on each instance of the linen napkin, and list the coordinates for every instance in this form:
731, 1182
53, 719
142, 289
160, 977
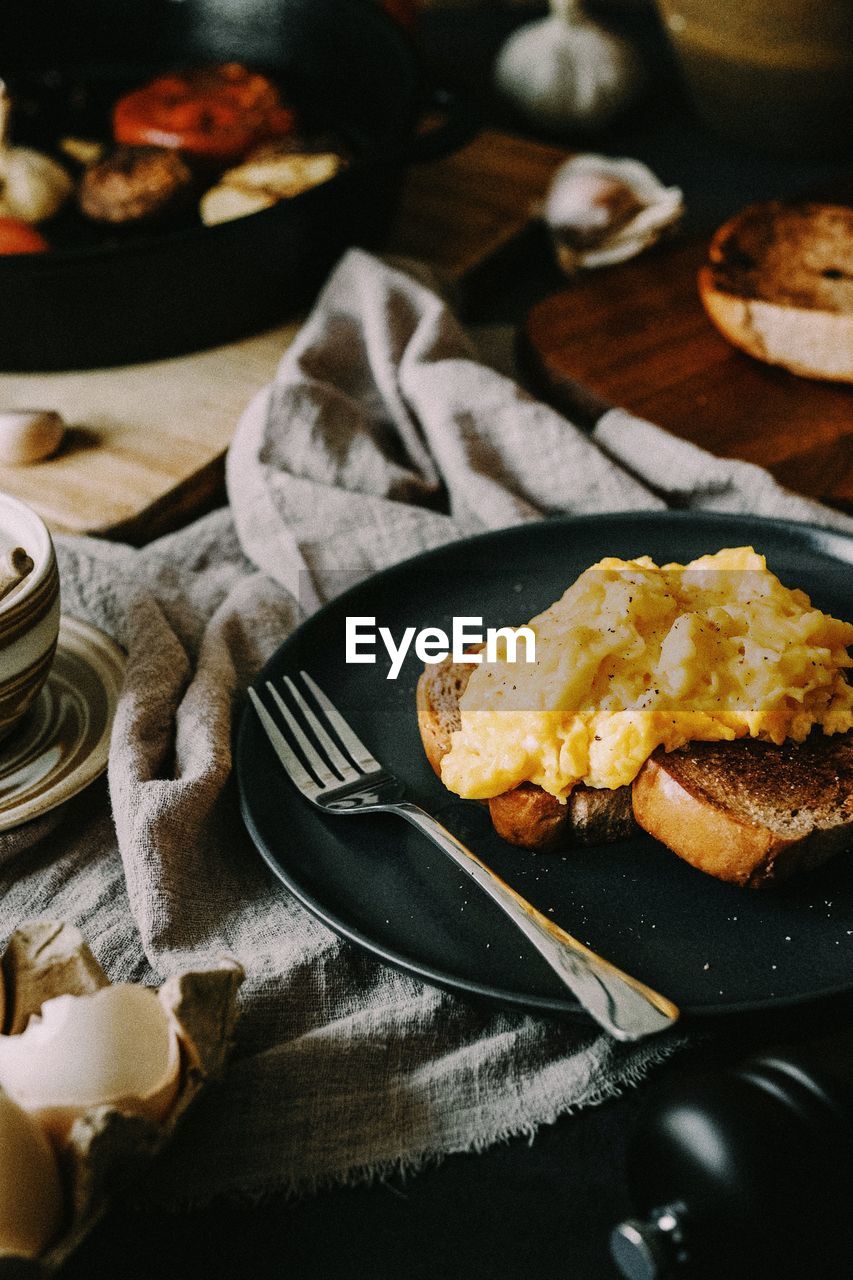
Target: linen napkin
381, 435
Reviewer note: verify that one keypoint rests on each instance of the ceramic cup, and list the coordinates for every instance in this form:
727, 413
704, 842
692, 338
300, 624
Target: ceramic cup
29, 614
774, 74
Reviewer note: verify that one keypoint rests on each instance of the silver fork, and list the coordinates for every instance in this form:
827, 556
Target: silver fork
352, 781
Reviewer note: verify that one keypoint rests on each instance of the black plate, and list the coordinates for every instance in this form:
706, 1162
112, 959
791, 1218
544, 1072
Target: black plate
713, 948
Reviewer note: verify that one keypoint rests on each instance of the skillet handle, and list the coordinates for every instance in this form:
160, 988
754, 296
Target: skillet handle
459, 124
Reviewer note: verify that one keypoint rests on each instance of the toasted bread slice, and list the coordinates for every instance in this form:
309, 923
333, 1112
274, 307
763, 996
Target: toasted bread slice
526, 815
439, 690
750, 812
779, 285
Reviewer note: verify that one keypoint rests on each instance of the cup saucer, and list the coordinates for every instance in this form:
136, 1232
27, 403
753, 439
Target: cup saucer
63, 742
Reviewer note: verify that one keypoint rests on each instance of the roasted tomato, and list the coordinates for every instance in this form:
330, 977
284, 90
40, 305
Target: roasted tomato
216, 113
19, 237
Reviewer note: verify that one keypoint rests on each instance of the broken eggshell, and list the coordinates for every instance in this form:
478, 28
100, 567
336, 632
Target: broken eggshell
106, 1149
601, 211
118, 1047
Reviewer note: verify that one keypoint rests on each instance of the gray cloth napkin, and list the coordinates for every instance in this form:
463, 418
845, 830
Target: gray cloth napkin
381, 435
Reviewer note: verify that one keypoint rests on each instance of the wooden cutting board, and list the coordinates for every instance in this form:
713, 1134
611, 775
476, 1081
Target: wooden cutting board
146, 448
636, 335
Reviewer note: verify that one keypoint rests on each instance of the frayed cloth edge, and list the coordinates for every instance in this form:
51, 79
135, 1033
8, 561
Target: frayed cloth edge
411, 1164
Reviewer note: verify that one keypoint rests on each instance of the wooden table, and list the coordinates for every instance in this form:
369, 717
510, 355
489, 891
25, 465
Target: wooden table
146, 449
637, 336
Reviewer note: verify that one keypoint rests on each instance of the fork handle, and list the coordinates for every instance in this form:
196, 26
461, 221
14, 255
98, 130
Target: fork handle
622, 1005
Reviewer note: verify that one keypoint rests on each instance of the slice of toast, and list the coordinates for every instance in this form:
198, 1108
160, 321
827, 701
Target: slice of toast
750, 812
526, 815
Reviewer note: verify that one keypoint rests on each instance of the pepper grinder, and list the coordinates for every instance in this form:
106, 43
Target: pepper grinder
745, 1171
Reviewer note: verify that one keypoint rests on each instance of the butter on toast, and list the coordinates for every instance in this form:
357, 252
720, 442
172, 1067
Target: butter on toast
750, 812
526, 815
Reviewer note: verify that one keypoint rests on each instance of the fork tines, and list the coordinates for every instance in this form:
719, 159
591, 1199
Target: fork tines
334, 761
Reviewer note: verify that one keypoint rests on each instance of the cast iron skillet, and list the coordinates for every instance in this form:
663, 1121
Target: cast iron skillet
351, 71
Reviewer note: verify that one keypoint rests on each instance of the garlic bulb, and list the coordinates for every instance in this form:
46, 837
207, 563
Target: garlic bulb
565, 71
601, 210
32, 186
30, 1190
117, 1047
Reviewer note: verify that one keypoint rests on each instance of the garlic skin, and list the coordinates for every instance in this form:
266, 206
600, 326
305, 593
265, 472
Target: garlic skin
588, 205
31, 1199
565, 72
32, 186
118, 1047
601, 210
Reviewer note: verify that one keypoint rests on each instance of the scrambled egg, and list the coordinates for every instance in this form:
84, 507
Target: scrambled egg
636, 656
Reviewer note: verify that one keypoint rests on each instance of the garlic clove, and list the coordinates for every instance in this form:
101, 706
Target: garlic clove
29, 435
31, 1199
118, 1047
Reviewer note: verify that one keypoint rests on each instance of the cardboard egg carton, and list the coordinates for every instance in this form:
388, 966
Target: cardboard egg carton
107, 1150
